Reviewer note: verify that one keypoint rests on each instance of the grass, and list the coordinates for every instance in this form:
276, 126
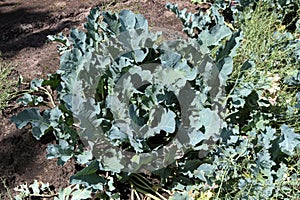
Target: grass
8, 192
273, 60
6, 83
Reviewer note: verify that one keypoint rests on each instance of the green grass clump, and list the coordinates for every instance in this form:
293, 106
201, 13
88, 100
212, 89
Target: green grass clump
6, 83
266, 44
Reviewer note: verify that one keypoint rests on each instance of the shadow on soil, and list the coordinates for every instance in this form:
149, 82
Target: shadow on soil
23, 27
18, 153
7, 4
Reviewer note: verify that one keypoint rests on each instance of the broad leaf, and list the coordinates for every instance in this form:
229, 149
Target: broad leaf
88, 175
40, 123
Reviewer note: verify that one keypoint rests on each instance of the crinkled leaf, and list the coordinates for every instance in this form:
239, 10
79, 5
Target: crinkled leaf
40, 123
214, 36
127, 20
266, 138
85, 157
162, 119
112, 161
289, 140
79, 39
81, 194
264, 160
63, 151
203, 171
196, 137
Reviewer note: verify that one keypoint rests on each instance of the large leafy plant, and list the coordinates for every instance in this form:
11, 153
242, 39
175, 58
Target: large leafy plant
113, 76
120, 88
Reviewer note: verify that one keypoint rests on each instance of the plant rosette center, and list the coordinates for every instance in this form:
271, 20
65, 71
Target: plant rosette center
142, 105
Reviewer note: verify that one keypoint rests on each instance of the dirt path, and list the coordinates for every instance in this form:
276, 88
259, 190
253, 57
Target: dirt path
24, 26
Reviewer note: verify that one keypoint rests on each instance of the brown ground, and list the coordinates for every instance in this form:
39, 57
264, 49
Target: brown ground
24, 26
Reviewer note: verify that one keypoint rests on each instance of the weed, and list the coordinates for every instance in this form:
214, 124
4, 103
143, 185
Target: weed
265, 43
6, 83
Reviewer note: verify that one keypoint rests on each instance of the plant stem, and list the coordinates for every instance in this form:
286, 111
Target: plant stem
50, 96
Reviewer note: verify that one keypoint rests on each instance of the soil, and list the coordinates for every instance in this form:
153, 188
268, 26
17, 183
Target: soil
24, 26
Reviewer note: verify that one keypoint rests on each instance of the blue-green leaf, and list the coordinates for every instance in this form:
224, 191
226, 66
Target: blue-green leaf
40, 123
35, 84
289, 140
63, 151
